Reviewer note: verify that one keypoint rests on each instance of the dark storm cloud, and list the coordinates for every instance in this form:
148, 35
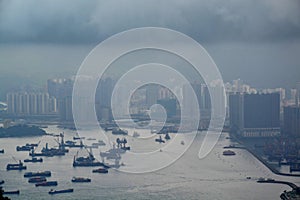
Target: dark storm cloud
81, 21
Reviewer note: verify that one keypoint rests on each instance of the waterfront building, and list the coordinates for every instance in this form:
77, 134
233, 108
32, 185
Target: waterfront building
29, 104
291, 121
255, 115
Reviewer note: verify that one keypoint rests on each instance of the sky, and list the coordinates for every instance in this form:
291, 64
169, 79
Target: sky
255, 40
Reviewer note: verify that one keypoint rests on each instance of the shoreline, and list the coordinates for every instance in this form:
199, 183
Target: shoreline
257, 156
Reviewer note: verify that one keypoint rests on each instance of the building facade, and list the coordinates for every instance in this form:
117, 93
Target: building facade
255, 115
291, 121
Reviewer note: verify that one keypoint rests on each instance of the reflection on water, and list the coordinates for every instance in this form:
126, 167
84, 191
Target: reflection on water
214, 177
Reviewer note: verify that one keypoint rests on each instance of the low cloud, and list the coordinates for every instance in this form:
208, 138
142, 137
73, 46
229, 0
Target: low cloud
77, 21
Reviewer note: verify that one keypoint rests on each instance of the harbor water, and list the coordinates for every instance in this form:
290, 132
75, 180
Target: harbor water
214, 177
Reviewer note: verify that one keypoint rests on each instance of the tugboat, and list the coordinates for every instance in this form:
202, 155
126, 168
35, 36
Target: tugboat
18, 166
101, 143
160, 140
228, 153
34, 174
34, 160
100, 170
78, 138
37, 179
46, 183
24, 148
72, 144
167, 136
81, 180
118, 131
27, 147
136, 134
88, 161
12, 192
60, 191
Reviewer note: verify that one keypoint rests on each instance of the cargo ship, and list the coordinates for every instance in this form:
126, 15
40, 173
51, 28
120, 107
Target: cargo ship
34, 160
34, 174
18, 166
46, 183
60, 191
37, 179
80, 180
118, 131
100, 170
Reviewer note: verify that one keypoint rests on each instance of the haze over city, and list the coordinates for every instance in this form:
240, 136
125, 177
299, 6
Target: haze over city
131, 99
257, 41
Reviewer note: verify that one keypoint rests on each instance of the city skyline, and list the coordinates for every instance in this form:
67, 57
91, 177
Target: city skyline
133, 99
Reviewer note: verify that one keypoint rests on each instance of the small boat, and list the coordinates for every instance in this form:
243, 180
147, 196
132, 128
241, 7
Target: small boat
78, 138
38, 179
27, 147
80, 180
100, 170
1, 150
34, 174
118, 131
228, 153
154, 131
101, 143
167, 136
12, 192
24, 148
46, 183
73, 144
136, 134
18, 166
2, 182
60, 191
34, 160
261, 179
160, 140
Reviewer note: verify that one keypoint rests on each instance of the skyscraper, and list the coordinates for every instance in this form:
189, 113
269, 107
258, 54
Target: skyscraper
298, 94
291, 121
151, 94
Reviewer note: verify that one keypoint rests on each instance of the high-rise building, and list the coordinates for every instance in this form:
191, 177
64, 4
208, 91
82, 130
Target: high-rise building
61, 89
291, 121
189, 103
170, 106
298, 94
151, 94
23, 103
255, 115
